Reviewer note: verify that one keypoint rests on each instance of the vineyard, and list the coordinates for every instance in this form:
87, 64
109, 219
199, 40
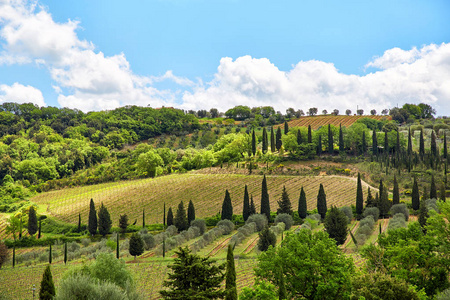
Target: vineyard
206, 192
318, 121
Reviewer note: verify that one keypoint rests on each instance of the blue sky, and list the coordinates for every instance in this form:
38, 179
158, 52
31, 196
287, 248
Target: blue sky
206, 53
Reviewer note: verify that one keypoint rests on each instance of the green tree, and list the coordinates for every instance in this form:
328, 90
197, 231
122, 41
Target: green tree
415, 197
286, 127
298, 255
253, 142
40, 227
278, 143
363, 143
136, 246
374, 142
265, 203
433, 147
13, 226
445, 145
246, 206
169, 217
104, 221
117, 247
359, 198
423, 214
341, 139
395, 192
442, 192
47, 290
309, 134
321, 202
32, 221
335, 224
266, 238
180, 220
409, 142
284, 204
230, 276
50, 254
193, 277
79, 223
191, 212
385, 204
421, 145
149, 163
252, 206
386, 143
272, 140
123, 223
319, 145
4, 253
299, 137
330, 140
264, 141
227, 207
92, 221
282, 293
65, 253
302, 207
143, 218
433, 192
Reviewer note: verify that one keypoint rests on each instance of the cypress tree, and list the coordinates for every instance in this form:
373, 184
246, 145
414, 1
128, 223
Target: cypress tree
117, 247
278, 142
423, 214
20, 228
445, 145
253, 142
169, 217
380, 187
252, 206
433, 192
47, 290
92, 221
104, 221
309, 134
65, 253
319, 145
265, 203
50, 255
79, 223
286, 127
14, 256
374, 142
282, 294
32, 221
272, 140
415, 197
180, 220
123, 223
136, 247
397, 144
359, 198
369, 199
433, 147
409, 142
330, 140
39, 232
164, 216
230, 276
364, 144
299, 136
421, 145
335, 224
321, 202
385, 204
341, 139
191, 212
395, 192
227, 207
246, 208
386, 144
302, 209
442, 192
264, 141
284, 204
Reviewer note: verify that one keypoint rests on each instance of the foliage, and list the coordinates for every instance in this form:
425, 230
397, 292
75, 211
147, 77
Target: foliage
136, 247
230, 276
347, 210
227, 207
415, 195
397, 221
302, 207
92, 221
47, 290
104, 221
180, 220
284, 204
267, 238
246, 205
400, 209
335, 224
123, 222
261, 290
372, 211
321, 202
260, 221
170, 217
4, 253
191, 212
286, 219
32, 221
200, 224
265, 203
359, 197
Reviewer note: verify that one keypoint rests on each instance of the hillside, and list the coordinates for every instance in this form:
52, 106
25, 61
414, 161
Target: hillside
318, 121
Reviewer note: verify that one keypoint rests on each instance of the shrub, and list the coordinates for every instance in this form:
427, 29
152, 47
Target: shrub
243, 232
200, 224
85, 242
279, 228
227, 224
372, 211
314, 217
432, 205
398, 221
400, 209
149, 240
286, 219
259, 220
348, 212
444, 295
266, 239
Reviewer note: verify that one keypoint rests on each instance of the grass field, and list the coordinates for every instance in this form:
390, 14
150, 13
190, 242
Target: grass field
318, 121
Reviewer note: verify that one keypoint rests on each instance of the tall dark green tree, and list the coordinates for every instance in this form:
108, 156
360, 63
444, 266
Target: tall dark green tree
330, 140
40, 227
264, 141
380, 187
50, 254
230, 276
286, 127
395, 192
386, 143
65, 253
442, 192
278, 139
321, 202
246, 206
266, 238
32, 221
252, 206
421, 145
415, 197
374, 142
272, 140
265, 203
369, 200
282, 293
284, 204
104, 221
169, 217
123, 223
227, 207
319, 145
47, 290
253, 142
117, 247
423, 214
136, 246
433, 191
143, 218
385, 204
335, 224
92, 221
445, 145
309, 134
180, 220
14, 256
409, 142
299, 136
433, 147
397, 144
359, 198
191, 212
302, 209
79, 223
363, 143
341, 139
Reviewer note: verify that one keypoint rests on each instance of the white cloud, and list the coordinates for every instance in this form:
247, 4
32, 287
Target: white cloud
21, 94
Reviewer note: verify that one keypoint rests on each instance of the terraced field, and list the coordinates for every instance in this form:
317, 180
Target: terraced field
206, 191
318, 121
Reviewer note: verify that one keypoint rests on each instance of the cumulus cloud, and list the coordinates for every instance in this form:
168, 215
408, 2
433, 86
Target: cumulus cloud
21, 94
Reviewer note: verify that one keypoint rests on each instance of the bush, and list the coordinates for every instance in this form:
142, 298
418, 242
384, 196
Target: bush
444, 295
149, 240
278, 229
226, 224
259, 220
200, 224
314, 217
286, 219
348, 212
242, 233
372, 211
266, 239
398, 221
400, 209
432, 205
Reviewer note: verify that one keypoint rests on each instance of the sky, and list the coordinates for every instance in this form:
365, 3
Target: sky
202, 54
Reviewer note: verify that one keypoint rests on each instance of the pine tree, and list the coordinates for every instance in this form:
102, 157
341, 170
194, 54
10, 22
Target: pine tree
169, 217
335, 224
266, 238
359, 198
369, 199
409, 142
321, 202
302, 209
191, 212
264, 141
423, 214
278, 142
299, 136
252, 206
65, 253
385, 204
309, 134
47, 290
92, 222
433, 192
284, 205
286, 127
230, 276
421, 145
330, 140
253, 143
180, 220
123, 223
265, 203
136, 246
386, 143
395, 192
246, 208
341, 139
79, 223
415, 197
319, 145
433, 147
143, 218
442, 192
32, 221
374, 142
104, 221
227, 207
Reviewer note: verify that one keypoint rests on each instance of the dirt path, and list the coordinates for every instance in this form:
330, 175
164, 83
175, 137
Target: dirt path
221, 245
251, 245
